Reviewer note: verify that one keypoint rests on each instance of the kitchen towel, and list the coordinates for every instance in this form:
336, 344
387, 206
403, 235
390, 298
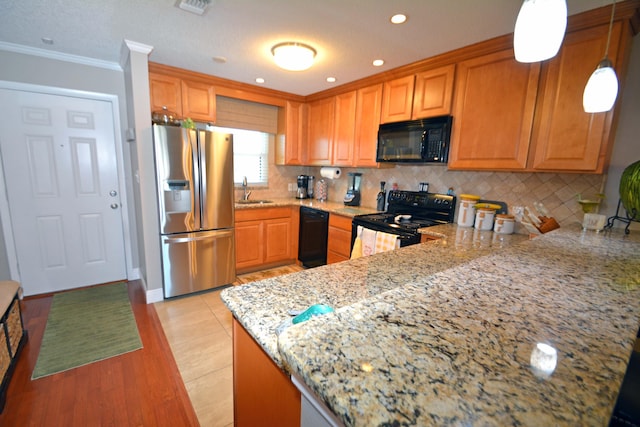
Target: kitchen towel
368, 240
330, 173
356, 252
385, 242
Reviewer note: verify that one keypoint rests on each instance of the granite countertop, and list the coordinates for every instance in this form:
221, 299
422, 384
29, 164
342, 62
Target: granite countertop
448, 331
262, 306
331, 207
475, 344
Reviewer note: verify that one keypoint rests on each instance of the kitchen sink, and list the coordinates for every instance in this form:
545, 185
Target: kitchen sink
253, 201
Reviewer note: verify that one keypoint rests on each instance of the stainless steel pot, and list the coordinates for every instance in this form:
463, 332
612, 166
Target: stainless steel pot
165, 117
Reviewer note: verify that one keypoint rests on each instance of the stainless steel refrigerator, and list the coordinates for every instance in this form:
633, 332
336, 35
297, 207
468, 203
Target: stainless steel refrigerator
194, 170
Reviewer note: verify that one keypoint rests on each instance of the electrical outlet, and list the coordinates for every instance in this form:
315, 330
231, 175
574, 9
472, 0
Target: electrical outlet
290, 186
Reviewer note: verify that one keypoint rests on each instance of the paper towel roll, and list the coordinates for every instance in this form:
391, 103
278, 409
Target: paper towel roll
331, 173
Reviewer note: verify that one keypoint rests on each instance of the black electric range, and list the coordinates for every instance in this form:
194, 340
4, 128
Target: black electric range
408, 211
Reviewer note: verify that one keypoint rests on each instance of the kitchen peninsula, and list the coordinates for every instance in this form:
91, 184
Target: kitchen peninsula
467, 330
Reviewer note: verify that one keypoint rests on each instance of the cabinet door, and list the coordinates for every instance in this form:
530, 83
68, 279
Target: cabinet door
291, 134
493, 112
344, 129
565, 137
263, 395
368, 108
165, 91
249, 243
433, 92
198, 101
277, 240
320, 131
339, 239
397, 100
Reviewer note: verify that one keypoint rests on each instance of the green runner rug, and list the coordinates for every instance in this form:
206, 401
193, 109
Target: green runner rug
86, 326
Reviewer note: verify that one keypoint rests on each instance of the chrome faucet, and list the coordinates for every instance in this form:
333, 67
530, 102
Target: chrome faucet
244, 187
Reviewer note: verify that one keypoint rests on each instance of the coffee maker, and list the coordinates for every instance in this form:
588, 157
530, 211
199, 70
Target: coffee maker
303, 187
352, 198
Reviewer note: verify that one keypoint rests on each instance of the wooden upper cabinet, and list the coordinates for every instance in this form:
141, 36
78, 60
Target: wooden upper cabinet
433, 92
493, 112
397, 99
321, 115
292, 122
565, 137
198, 101
344, 127
368, 108
165, 91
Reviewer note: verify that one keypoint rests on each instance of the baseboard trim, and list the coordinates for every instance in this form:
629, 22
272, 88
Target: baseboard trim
154, 295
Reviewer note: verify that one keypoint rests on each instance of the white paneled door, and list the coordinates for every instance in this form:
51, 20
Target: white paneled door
60, 166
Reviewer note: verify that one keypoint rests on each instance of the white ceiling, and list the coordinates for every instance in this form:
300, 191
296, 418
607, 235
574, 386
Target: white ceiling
348, 34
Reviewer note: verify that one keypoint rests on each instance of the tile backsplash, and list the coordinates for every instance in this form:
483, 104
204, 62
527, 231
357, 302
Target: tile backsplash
557, 191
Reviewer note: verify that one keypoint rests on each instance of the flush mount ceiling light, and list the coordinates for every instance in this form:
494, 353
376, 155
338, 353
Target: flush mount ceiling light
293, 56
539, 30
602, 88
398, 18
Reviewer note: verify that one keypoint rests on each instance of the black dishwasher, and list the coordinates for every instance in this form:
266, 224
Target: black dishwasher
312, 240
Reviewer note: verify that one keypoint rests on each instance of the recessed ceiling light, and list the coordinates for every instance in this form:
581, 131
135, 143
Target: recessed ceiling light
398, 18
259, 80
378, 62
47, 40
331, 79
220, 59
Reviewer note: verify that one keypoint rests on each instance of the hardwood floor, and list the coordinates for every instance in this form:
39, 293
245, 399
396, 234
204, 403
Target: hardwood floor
141, 388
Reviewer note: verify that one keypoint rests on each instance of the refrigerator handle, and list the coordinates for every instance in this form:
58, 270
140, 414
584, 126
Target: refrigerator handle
202, 185
169, 240
197, 192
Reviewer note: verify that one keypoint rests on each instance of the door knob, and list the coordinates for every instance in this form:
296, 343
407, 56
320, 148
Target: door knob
114, 206
113, 193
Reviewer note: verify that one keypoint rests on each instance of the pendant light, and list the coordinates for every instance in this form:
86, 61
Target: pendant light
602, 88
539, 29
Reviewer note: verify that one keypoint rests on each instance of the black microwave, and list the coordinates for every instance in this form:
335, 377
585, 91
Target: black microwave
417, 141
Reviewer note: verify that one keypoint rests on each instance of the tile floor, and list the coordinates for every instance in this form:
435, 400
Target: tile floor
198, 329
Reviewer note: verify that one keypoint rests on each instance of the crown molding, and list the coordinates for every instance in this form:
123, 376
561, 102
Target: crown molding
77, 59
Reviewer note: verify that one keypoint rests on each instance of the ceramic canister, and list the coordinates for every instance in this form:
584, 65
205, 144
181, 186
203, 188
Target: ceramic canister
504, 224
466, 214
484, 218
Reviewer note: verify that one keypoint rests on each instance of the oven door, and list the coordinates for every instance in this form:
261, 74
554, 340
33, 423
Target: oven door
405, 238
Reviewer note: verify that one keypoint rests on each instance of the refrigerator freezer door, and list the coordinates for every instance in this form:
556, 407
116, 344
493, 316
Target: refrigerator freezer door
198, 261
216, 185
175, 151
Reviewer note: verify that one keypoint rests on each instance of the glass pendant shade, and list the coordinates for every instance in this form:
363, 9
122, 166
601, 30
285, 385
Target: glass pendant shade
539, 30
293, 56
602, 89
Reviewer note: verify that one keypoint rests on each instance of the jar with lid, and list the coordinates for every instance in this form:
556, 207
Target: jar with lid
466, 214
504, 224
484, 219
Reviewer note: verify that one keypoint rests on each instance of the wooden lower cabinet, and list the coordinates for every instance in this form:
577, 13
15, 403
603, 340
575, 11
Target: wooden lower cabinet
339, 240
263, 395
265, 237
